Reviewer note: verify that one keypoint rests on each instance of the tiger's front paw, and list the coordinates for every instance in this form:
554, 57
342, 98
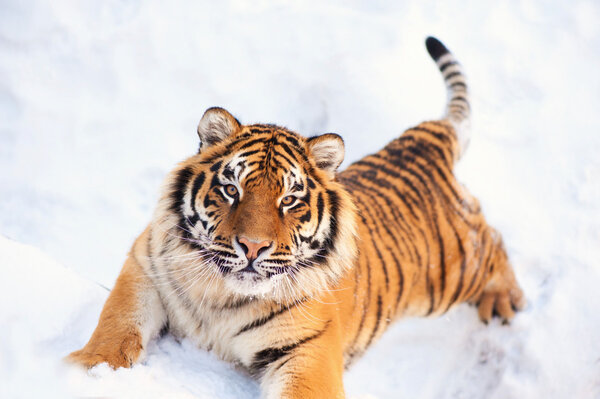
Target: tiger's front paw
501, 303
117, 353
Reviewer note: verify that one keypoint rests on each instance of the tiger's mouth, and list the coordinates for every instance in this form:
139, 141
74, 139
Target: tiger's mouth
267, 269
262, 275
249, 268
256, 277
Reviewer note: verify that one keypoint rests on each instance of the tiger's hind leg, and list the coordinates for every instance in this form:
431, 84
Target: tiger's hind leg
500, 295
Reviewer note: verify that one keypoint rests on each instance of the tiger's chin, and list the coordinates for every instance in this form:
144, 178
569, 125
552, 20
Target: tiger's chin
251, 284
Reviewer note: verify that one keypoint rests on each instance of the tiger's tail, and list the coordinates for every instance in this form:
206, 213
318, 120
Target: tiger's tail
458, 109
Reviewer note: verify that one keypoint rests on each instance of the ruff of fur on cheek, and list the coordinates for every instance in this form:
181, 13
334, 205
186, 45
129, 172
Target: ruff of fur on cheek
194, 255
182, 264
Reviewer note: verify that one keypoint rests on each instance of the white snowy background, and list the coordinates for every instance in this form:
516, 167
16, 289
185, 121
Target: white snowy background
99, 99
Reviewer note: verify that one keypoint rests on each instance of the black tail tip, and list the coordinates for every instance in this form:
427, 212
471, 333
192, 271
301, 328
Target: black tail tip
435, 48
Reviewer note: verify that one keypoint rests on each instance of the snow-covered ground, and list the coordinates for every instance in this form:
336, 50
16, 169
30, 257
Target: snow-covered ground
99, 99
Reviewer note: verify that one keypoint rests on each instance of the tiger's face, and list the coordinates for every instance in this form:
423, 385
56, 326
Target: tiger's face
261, 207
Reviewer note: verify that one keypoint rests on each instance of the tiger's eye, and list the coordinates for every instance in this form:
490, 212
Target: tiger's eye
288, 200
231, 190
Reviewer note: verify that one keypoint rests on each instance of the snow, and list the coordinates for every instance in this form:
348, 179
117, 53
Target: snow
98, 100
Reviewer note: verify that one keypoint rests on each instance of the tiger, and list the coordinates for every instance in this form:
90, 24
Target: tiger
263, 252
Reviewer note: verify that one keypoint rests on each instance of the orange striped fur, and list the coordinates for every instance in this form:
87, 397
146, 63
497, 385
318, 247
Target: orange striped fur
262, 252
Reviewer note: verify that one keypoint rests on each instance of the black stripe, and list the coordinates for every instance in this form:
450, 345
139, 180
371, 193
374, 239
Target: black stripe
250, 143
259, 130
280, 365
297, 187
452, 74
250, 152
486, 267
179, 187
306, 217
198, 181
270, 355
233, 304
442, 260
458, 97
482, 242
223, 253
458, 108
292, 140
458, 84
377, 321
264, 320
463, 266
431, 291
366, 305
476, 283
295, 155
285, 158
446, 65
228, 173
215, 167
320, 208
334, 209
286, 150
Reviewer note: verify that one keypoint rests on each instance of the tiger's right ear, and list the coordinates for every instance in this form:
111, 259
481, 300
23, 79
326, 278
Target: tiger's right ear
327, 150
216, 125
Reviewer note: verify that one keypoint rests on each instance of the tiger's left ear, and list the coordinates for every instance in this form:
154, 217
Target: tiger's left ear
328, 151
216, 125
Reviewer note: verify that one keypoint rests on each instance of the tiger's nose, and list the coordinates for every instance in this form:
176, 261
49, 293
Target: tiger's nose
253, 248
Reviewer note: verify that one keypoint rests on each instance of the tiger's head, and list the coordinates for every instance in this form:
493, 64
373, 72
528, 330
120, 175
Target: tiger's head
260, 207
